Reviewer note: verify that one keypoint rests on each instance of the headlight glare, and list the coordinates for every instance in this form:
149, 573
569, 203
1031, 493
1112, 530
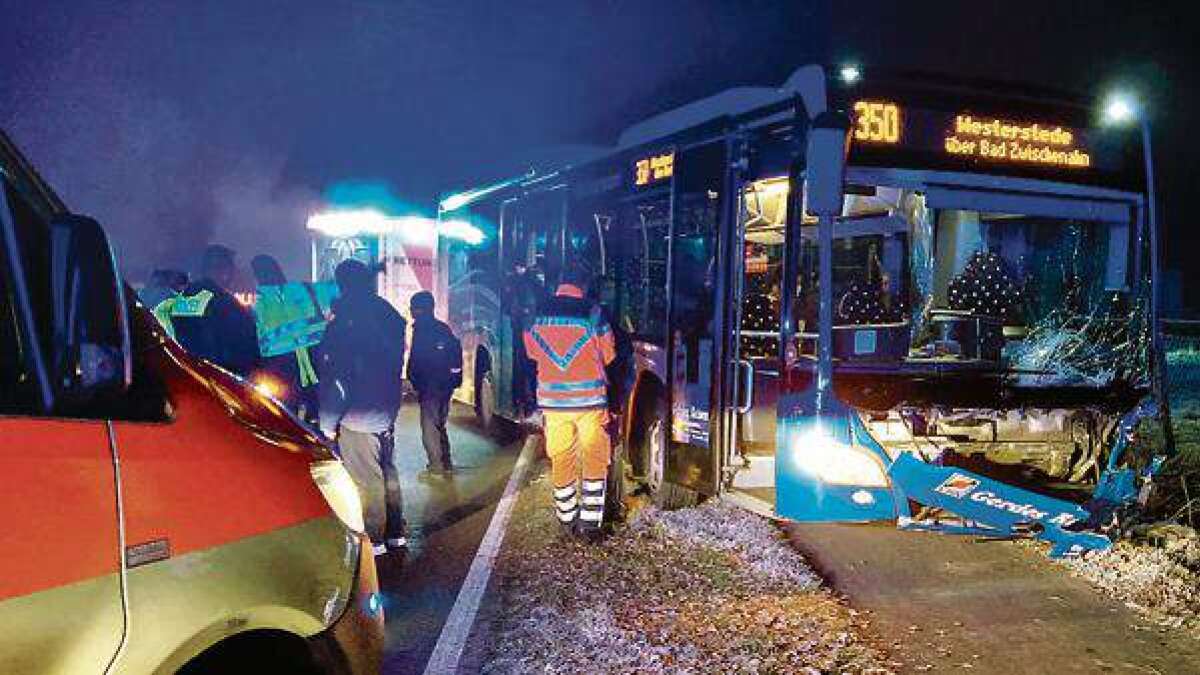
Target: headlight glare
823, 457
339, 491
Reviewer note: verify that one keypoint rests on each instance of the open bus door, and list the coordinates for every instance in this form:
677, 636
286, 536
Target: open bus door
699, 339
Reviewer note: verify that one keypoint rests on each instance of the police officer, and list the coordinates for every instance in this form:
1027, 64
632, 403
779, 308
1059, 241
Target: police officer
209, 322
435, 371
571, 343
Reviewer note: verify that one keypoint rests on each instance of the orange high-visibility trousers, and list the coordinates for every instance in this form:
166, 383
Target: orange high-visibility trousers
579, 448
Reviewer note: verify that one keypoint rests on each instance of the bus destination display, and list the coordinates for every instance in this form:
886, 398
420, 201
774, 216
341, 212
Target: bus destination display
970, 136
653, 169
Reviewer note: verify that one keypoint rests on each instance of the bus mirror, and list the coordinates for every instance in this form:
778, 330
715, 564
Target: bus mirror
826, 160
91, 347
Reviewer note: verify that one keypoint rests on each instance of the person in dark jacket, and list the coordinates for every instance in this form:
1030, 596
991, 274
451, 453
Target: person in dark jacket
209, 322
361, 370
435, 371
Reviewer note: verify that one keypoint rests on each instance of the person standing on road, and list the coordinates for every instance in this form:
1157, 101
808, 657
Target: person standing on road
571, 344
279, 329
209, 322
435, 371
361, 369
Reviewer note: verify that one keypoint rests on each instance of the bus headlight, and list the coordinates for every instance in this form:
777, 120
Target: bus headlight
823, 457
339, 491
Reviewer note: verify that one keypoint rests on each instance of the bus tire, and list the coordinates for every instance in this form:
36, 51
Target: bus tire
652, 435
618, 487
485, 402
671, 496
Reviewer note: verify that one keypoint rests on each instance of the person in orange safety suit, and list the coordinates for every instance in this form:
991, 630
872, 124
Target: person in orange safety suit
570, 344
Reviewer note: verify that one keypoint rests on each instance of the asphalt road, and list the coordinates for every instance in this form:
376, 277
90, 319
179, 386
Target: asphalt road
446, 519
947, 603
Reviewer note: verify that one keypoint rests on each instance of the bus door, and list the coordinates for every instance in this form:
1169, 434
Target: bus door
699, 338
531, 264
758, 307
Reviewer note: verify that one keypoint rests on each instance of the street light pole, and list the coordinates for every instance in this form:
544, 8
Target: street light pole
1158, 366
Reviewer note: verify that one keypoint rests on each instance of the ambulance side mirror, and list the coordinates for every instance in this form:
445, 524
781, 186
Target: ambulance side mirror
91, 353
828, 139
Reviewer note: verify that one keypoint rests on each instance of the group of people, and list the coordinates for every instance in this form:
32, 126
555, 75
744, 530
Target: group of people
353, 387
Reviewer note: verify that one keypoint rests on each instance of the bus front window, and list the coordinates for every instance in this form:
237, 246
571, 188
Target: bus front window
872, 279
1040, 296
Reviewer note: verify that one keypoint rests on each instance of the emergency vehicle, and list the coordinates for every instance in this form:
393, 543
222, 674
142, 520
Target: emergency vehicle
854, 296
159, 514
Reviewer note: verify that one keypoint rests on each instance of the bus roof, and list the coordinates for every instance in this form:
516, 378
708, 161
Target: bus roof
808, 82
818, 93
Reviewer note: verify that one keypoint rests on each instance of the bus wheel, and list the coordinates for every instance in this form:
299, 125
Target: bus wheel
666, 494
485, 402
618, 488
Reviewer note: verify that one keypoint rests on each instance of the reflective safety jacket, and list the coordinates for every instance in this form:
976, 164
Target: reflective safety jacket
291, 318
571, 343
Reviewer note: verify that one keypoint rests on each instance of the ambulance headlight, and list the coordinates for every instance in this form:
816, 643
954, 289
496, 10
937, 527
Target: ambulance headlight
823, 457
339, 490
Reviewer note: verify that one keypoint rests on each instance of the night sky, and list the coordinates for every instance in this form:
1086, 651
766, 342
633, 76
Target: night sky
181, 123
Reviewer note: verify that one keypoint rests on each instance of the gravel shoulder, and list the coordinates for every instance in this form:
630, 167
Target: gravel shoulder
706, 590
1161, 583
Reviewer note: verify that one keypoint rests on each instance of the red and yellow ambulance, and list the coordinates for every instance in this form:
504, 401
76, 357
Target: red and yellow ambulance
156, 512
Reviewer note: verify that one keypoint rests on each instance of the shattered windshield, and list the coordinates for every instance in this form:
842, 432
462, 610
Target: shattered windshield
1046, 297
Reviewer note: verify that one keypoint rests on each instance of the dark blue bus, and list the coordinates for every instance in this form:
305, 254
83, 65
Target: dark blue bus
984, 281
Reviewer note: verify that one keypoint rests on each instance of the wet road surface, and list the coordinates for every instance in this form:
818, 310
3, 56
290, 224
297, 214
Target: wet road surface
447, 518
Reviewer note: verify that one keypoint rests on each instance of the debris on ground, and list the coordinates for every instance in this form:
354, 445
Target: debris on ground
1158, 575
711, 589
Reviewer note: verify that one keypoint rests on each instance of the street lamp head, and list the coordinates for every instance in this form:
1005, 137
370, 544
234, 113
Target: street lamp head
850, 73
1120, 109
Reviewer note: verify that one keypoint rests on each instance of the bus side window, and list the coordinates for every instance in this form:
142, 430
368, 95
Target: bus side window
643, 227
538, 234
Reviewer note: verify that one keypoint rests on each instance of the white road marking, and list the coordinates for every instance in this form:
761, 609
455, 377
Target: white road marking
453, 639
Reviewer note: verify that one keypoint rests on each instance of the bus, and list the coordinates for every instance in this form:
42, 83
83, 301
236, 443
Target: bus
853, 297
